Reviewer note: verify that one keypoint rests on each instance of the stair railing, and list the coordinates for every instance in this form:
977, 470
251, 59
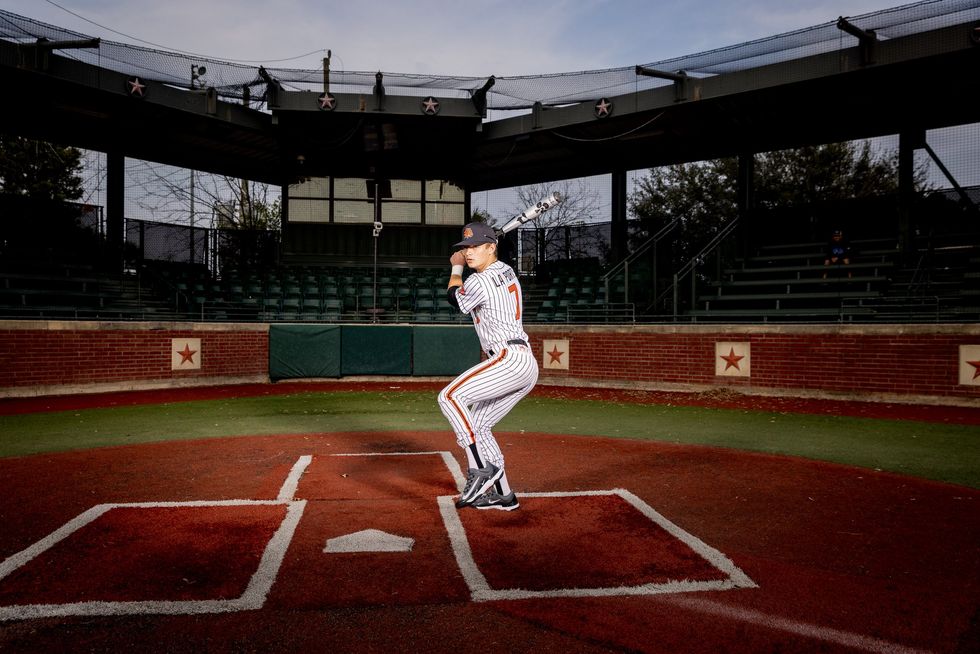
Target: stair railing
689, 268
624, 265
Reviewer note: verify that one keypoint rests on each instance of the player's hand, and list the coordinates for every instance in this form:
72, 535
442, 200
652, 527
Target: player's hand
458, 258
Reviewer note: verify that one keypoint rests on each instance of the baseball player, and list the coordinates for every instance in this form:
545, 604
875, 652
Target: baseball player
476, 400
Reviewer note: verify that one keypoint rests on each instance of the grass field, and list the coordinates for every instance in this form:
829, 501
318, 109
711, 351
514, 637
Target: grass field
942, 452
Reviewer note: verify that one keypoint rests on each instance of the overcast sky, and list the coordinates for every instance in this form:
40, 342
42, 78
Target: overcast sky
446, 37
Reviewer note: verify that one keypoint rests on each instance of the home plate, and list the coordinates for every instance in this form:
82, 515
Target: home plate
369, 540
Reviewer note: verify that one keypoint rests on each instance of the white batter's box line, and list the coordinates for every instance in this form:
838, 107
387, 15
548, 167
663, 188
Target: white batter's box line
447, 458
480, 590
253, 597
288, 490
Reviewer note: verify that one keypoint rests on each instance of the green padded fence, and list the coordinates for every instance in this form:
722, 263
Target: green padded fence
443, 351
376, 350
310, 351
304, 351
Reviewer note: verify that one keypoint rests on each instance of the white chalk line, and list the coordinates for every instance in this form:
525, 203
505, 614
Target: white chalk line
253, 597
288, 490
262, 580
776, 623
480, 590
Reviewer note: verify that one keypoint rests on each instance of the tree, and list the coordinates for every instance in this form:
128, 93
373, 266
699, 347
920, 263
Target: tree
39, 170
256, 209
700, 195
807, 184
554, 238
481, 216
170, 194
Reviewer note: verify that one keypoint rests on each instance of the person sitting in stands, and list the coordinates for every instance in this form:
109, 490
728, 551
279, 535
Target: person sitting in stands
838, 251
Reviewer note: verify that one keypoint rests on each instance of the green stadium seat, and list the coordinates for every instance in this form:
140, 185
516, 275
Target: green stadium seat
386, 297
403, 295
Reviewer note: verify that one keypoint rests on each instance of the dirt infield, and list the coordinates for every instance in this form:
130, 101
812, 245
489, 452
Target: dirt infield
297, 542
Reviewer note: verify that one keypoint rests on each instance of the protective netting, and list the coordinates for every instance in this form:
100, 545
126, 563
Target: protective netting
509, 93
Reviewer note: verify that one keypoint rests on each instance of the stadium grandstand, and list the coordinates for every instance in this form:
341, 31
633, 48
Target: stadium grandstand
376, 173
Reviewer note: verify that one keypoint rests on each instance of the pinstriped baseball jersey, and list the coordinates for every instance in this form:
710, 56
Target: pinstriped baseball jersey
493, 299
481, 396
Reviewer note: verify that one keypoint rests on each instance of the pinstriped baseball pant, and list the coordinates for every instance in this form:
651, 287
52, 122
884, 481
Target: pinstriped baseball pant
480, 397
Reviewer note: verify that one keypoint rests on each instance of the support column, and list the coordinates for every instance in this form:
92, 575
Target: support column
745, 197
115, 208
908, 142
619, 235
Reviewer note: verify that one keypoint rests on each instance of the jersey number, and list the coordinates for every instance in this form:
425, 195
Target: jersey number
517, 298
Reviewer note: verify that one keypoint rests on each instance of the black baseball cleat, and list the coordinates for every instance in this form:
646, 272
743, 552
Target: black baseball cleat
494, 500
478, 482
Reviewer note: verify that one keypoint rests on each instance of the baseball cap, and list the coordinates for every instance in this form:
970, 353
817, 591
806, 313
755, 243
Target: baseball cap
476, 234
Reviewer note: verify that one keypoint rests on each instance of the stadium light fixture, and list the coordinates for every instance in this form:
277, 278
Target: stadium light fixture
196, 73
272, 87
379, 92
480, 96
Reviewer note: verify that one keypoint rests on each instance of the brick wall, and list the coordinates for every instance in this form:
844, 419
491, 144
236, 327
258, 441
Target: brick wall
895, 362
49, 357
914, 362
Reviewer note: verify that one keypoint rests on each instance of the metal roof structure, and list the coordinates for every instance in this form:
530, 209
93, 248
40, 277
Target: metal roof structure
902, 70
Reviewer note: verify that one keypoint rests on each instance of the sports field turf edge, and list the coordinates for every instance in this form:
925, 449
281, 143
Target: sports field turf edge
937, 451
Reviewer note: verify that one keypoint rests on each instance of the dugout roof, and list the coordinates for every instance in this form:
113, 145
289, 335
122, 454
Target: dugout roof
903, 70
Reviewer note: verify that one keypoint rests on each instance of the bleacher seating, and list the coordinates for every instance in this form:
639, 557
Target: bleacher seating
572, 298
788, 282
785, 282
71, 291
317, 294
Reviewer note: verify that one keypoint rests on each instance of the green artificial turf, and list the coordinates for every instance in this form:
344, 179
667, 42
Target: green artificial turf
931, 450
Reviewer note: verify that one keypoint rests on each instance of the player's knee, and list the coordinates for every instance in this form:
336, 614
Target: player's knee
445, 401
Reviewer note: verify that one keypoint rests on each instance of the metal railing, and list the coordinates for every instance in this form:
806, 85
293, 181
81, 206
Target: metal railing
624, 265
689, 268
613, 312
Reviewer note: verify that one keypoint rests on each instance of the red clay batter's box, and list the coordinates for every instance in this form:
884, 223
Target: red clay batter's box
372, 534
582, 544
152, 557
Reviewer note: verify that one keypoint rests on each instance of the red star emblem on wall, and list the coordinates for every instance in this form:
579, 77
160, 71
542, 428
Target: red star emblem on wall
603, 108
555, 355
136, 87
187, 354
430, 106
327, 101
976, 368
732, 359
